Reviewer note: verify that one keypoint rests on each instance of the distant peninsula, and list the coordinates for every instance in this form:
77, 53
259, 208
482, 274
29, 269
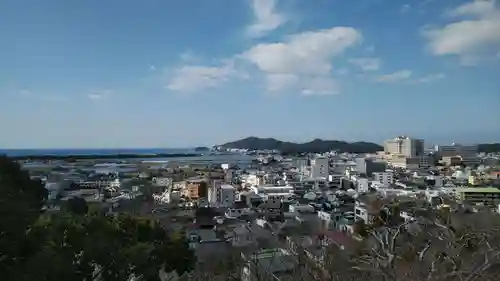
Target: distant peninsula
201, 148
101, 156
319, 146
488, 147
314, 146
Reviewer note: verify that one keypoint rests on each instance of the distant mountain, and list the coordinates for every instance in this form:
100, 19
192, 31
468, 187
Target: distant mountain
201, 148
488, 147
317, 145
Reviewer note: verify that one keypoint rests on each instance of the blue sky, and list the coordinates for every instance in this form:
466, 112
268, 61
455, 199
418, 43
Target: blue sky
161, 73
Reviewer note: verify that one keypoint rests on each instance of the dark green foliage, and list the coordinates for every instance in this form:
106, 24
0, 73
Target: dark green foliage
316, 145
76, 244
20, 203
488, 147
76, 206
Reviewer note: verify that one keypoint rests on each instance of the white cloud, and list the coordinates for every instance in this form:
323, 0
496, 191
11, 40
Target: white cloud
26, 93
430, 78
191, 78
474, 8
99, 95
394, 77
304, 61
367, 64
405, 8
189, 57
475, 33
306, 85
266, 18
95, 96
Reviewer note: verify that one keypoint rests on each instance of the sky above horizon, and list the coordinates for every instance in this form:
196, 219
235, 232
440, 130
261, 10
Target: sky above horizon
159, 73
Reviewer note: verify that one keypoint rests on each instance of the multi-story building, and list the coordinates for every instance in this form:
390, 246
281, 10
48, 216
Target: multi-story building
404, 145
162, 181
479, 195
195, 189
346, 184
274, 193
455, 149
319, 167
212, 192
411, 163
365, 211
256, 179
221, 195
386, 178
368, 166
467, 153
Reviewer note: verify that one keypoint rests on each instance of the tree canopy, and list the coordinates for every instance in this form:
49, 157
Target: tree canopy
76, 245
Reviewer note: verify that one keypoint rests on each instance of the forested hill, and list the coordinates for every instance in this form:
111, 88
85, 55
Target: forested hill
488, 147
317, 145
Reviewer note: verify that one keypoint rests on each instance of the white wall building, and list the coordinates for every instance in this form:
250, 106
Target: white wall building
319, 167
301, 208
253, 180
273, 193
287, 189
221, 195
386, 178
362, 184
404, 145
226, 196
162, 181
212, 192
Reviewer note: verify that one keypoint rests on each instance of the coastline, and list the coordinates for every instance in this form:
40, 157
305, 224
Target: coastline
102, 156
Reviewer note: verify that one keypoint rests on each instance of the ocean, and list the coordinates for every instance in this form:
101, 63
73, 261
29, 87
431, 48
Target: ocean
90, 151
241, 159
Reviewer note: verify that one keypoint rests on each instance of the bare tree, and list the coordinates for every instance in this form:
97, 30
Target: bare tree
448, 246
435, 246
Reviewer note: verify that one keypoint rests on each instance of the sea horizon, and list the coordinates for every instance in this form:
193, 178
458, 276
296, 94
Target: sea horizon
12, 152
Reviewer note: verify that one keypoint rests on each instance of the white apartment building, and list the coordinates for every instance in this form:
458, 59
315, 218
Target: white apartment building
363, 212
253, 179
266, 189
404, 145
361, 184
212, 193
385, 178
273, 193
221, 195
226, 196
319, 167
162, 181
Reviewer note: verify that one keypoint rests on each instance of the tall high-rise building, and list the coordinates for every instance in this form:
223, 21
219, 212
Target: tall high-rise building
404, 145
467, 153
